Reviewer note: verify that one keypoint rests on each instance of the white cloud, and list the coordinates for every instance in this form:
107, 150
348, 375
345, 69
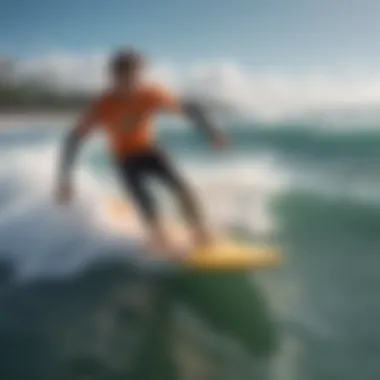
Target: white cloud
267, 94
67, 71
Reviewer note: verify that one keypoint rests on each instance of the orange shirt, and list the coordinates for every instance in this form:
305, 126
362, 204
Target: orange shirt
128, 122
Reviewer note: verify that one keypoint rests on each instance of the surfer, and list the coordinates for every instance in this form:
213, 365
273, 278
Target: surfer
126, 112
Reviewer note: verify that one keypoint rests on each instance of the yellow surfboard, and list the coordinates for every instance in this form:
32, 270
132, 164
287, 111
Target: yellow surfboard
230, 255
224, 254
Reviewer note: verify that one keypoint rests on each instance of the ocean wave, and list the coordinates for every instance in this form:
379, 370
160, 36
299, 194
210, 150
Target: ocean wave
331, 215
306, 140
33, 229
321, 294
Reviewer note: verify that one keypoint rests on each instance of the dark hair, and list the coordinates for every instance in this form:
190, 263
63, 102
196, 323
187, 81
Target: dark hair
125, 60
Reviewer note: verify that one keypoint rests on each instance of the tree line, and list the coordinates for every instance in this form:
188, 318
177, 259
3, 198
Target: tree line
27, 97
20, 93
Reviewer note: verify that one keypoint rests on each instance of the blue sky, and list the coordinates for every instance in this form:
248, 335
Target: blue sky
269, 57
289, 33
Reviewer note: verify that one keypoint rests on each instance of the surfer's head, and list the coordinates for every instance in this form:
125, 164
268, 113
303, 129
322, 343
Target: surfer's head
126, 67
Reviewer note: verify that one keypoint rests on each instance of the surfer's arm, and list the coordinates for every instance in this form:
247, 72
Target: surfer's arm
193, 111
69, 152
196, 113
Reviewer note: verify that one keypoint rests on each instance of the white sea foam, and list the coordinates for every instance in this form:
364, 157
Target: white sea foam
43, 237
38, 234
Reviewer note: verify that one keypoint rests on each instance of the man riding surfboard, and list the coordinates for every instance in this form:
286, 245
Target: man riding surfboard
125, 112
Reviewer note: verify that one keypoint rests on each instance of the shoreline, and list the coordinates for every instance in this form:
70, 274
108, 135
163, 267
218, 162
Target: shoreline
38, 112
40, 116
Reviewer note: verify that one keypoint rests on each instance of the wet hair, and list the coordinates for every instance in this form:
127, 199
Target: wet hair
126, 60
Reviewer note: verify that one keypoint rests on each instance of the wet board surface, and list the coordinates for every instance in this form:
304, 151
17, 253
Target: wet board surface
223, 255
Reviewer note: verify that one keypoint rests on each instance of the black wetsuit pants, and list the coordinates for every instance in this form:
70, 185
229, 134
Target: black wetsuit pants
137, 170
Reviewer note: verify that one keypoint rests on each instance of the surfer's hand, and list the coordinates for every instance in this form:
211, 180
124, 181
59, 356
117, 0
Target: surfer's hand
64, 193
220, 140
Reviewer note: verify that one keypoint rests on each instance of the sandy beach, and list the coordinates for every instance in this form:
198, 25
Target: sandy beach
41, 118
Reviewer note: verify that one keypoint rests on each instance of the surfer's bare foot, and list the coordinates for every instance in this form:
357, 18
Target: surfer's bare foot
167, 249
172, 249
161, 244
159, 241
202, 238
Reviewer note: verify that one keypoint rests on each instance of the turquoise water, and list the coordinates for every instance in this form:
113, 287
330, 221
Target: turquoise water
313, 189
